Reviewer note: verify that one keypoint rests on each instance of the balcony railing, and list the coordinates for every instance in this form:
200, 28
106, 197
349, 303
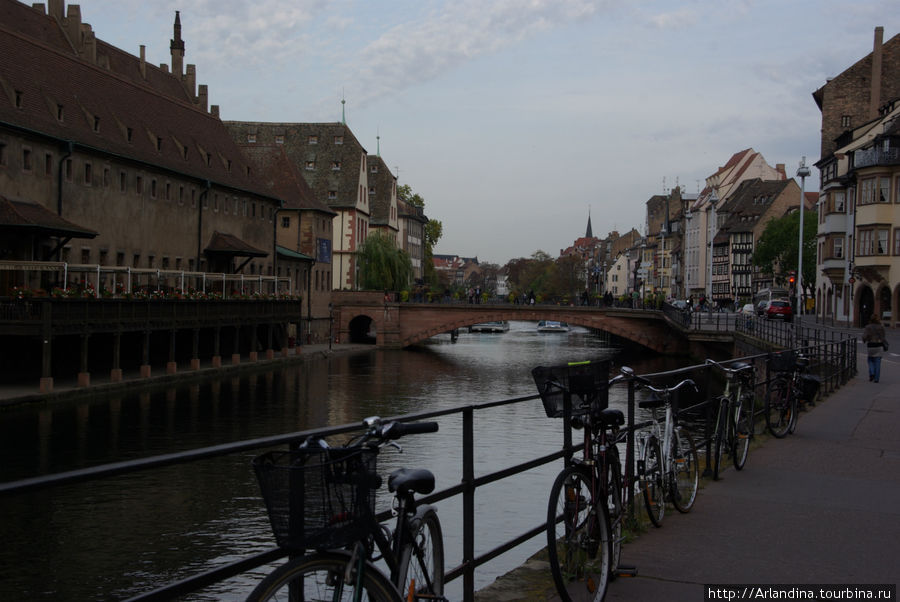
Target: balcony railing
868, 157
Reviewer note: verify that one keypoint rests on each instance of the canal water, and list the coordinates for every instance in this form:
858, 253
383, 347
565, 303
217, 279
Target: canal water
120, 536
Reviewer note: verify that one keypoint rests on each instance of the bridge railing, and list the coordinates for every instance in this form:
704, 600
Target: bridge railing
834, 361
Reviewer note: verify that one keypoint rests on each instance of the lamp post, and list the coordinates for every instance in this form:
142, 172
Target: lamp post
710, 235
803, 172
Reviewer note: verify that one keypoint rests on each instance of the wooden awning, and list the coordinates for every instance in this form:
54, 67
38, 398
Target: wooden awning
31, 218
228, 244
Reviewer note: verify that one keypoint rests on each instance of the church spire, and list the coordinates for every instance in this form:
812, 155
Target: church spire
590, 232
176, 47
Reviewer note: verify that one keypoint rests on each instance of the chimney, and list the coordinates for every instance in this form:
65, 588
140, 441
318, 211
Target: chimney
190, 81
203, 98
89, 49
176, 47
214, 111
73, 27
875, 94
164, 68
143, 62
56, 10
39, 6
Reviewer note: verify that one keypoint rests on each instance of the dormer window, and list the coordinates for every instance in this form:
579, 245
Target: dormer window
279, 139
251, 138
338, 139
374, 169
312, 140
336, 165
19, 96
332, 194
310, 165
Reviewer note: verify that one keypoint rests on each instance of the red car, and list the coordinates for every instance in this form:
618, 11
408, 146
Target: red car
780, 309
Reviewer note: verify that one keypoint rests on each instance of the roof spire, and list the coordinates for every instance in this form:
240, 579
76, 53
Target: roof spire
176, 46
378, 143
590, 232
343, 112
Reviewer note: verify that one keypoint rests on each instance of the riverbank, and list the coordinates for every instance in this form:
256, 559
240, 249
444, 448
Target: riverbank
821, 506
68, 389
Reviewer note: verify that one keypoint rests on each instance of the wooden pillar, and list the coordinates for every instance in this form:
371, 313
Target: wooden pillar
217, 343
195, 350
115, 374
145, 355
84, 377
171, 365
270, 353
254, 343
236, 354
46, 383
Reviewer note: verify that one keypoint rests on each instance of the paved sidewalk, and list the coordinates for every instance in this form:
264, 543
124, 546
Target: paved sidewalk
817, 507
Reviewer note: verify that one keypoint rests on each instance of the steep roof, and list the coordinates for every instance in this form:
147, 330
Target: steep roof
381, 182
279, 174
750, 201
21, 216
52, 91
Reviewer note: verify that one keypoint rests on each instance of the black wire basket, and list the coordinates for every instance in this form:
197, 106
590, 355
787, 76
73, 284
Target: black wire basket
318, 498
782, 361
584, 384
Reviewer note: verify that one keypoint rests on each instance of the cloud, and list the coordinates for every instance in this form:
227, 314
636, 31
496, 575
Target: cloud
422, 50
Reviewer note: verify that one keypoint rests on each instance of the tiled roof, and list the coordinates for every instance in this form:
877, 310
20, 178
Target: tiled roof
111, 110
19, 215
750, 201
279, 174
383, 183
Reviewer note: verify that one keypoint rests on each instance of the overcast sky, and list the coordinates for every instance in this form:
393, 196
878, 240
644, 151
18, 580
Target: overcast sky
515, 118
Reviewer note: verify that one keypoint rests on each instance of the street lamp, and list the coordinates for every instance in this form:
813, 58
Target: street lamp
803, 172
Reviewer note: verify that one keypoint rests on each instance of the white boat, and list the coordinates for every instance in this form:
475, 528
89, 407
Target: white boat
552, 326
496, 326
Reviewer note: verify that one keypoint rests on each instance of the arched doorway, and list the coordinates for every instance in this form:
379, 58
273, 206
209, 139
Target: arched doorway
865, 304
362, 330
884, 305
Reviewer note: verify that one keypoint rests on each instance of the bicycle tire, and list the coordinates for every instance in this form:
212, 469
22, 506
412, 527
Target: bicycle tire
615, 508
321, 576
743, 432
577, 537
422, 559
651, 476
721, 437
779, 407
686, 470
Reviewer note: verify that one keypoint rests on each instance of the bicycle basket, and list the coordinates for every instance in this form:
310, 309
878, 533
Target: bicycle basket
585, 384
782, 361
318, 498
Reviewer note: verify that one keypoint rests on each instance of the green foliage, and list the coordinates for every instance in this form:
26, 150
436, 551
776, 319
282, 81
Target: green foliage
382, 266
549, 279
777, 248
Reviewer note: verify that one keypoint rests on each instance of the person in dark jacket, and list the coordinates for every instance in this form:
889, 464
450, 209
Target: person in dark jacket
873, 337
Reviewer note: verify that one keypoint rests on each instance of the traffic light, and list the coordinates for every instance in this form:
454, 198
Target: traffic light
791, 279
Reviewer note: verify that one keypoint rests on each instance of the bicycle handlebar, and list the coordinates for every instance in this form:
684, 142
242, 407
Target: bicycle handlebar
395, 430
379, 433
666, 390
724, 368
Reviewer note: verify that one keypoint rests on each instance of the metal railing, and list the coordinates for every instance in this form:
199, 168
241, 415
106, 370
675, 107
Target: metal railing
834, 361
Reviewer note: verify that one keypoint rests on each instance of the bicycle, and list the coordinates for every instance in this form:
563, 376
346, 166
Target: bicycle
734, 422
668, 468
789, 389
322, 498
586, 510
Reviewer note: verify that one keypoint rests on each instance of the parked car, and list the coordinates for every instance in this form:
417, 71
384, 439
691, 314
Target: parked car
748, 309
761, 308
780, 310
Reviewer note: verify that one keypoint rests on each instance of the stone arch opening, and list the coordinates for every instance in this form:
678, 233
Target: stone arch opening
865, 305
362, 330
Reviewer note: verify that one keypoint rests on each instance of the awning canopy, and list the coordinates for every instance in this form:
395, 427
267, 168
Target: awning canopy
31, 218
288, 254
228, 244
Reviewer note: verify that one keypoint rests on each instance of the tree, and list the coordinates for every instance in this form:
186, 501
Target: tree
777, 248
382, 266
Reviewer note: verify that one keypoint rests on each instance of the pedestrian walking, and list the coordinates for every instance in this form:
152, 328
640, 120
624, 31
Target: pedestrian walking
873, 337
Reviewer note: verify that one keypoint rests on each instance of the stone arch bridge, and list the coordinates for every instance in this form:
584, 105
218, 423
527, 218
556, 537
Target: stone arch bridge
358, 314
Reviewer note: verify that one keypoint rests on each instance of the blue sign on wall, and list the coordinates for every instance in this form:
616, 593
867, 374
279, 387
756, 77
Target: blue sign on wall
323, 254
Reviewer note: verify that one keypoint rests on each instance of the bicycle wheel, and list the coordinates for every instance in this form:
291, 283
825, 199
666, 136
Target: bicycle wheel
720, 436
743, 431
321, 577
651, 476
686, 468
422, 560
779, 407
577, 537
615, 508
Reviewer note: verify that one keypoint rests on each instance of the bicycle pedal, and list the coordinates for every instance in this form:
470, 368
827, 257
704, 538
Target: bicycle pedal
626, 570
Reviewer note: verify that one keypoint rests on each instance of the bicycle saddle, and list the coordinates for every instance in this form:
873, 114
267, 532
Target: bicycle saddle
404, 480
612, 417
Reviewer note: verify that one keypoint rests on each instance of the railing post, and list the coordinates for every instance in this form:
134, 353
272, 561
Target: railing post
629, 451
468, 480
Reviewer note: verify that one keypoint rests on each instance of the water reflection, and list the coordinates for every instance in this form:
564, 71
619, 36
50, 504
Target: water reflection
124, 535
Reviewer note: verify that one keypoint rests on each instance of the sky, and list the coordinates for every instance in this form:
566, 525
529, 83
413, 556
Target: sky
516, 119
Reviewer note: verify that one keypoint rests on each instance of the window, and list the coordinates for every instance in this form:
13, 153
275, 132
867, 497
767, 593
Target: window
181, 195
371, 190
96, 124
332, 194
285, 222
88, 174
129, 134
153, 188
882, 248
136, 260
106, 177
26, 159
839, 197
2, 153
48, 164
138, 185
120, 258
310, 165
279, 139
312, 140
867, 191
168, 191
158, 143
85, 255
18, 99
845, 121
336, 165
338, 139
838, 248
374, 169
884, 190
251, 138
60, 114
897, 242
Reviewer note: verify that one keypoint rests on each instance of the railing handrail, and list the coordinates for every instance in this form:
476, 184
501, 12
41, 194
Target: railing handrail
466, 487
